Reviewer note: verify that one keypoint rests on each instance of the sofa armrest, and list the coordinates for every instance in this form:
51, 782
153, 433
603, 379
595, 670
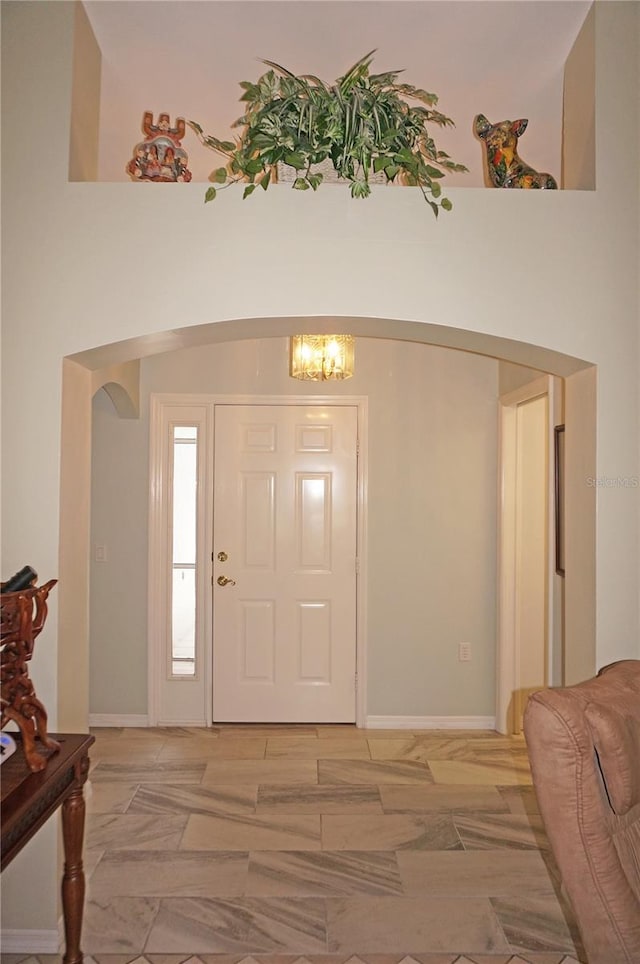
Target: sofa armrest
589, 840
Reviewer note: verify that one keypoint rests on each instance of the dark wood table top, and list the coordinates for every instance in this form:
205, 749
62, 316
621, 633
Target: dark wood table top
29, 799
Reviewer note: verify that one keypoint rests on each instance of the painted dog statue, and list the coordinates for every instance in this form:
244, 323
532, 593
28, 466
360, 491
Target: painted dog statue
506, 168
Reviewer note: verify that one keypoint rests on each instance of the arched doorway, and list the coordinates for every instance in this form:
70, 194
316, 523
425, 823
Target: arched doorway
86, 372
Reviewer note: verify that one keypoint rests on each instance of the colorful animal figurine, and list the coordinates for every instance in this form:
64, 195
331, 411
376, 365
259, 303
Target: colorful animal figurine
506, 168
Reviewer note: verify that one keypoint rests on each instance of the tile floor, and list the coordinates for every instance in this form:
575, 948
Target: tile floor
317, 845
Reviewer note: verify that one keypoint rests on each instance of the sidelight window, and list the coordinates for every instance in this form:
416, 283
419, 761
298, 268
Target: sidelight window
183, 555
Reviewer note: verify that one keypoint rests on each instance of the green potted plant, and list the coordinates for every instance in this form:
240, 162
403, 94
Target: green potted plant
362, 125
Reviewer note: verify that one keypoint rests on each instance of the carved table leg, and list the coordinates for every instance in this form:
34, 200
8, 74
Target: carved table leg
73, 879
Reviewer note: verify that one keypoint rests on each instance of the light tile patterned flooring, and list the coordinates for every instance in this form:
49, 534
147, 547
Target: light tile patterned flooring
317, 845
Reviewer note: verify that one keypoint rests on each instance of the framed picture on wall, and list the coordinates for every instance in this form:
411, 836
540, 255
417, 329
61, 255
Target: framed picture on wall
559, 496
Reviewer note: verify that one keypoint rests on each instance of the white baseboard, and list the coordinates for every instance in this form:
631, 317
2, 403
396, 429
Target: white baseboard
118, 719
431, 722
30, 942
371, 722
192, 724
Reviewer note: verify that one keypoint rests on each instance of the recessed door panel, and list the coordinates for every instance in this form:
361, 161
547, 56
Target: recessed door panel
258, 438
313, 438
313, 521
258, 492
314, 641
257, 642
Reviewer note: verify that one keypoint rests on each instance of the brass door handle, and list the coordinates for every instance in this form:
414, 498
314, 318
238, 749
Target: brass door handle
223, 581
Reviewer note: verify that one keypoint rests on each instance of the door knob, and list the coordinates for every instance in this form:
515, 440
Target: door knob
223, 581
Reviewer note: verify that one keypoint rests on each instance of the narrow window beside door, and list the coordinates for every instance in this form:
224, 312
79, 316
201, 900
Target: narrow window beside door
183, 590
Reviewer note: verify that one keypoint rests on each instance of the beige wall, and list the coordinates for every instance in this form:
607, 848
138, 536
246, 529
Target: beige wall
579, 109
85, 101
511, 377
90, 264
118, 593
431, 505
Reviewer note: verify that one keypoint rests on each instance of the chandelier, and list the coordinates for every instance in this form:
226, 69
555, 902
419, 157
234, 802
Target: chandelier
321, 357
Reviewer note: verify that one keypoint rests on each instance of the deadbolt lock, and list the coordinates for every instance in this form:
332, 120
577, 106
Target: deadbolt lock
222, 557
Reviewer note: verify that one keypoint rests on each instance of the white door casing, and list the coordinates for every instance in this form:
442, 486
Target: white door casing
512, 674
532, 552
188, 701
172, 700
285, 518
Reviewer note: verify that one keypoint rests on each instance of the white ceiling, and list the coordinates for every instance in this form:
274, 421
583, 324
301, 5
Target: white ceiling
502, 58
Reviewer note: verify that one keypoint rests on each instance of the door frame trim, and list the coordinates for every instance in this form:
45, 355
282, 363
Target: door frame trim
156, 522
163, 411
507, 661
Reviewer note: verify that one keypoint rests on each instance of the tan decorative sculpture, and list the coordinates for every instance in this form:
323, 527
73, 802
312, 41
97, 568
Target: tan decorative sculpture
160, 157
22, 616
505, 167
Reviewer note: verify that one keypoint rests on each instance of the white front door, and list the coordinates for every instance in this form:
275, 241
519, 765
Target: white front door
285, 524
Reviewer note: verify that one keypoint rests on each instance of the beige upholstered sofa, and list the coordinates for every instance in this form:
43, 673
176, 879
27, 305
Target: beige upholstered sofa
584, 747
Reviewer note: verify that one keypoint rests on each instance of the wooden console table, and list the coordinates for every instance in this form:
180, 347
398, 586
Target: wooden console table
29, 799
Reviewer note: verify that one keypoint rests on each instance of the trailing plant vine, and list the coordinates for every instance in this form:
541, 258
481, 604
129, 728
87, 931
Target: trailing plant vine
362, 124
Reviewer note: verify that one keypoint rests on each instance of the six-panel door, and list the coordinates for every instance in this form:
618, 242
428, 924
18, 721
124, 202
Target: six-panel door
284, 624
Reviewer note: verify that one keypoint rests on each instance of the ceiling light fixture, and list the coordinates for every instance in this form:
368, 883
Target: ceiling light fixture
321, 357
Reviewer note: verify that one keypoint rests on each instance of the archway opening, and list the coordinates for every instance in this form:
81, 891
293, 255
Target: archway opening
87, 372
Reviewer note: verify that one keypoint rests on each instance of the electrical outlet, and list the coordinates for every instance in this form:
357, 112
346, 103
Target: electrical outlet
464, 652
101, 554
